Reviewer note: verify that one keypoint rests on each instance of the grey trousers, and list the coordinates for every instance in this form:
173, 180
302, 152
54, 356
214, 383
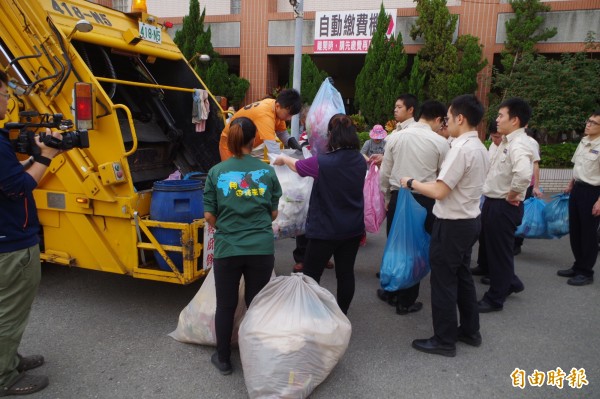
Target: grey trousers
20, 273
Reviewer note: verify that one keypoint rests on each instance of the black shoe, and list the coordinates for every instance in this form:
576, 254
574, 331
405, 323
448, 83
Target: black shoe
566, 273
485, 307
515, 290
580, 280
403, 310
478, 271
485, 280
432, 346
377, 275
473, 339
390, 297
29, 362
224, 367
516, 251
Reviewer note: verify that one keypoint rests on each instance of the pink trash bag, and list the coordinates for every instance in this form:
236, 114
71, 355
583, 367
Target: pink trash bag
374, 201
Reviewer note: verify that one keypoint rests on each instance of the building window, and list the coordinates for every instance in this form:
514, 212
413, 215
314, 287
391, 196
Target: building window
236, 6
121, 5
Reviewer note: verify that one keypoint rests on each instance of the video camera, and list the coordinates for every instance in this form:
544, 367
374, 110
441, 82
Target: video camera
25, 142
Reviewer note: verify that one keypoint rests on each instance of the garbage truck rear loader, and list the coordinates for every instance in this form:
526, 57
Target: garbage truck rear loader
123, 93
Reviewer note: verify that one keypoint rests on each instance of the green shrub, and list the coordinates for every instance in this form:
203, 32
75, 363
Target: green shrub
359, 121
557, 156
363, 136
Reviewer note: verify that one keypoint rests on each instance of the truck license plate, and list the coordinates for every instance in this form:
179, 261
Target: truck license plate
150, 33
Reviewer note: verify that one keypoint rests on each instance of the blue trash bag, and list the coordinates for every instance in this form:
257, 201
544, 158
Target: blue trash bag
406, 255
556, 214
533, 224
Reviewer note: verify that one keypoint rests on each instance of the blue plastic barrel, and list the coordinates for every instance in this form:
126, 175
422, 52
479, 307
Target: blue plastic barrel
174, 201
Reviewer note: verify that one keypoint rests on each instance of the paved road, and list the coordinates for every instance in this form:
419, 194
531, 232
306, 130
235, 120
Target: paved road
105, 336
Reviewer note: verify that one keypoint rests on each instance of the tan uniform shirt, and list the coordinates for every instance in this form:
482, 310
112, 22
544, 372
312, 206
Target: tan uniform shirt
464, 171
417, 152
587, 161
511, 167
401, 126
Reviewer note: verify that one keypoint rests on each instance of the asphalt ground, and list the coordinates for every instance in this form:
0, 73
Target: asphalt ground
105, 336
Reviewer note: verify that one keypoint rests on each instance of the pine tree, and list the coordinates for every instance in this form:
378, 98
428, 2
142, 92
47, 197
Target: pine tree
193, 39
522, 33
416, 80
311, 79
523, 30
380, 80
450, 69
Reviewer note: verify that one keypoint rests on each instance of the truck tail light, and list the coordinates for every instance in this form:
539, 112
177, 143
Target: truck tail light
84, 112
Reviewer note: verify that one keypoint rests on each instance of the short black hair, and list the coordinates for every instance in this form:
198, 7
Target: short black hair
471, 108
519, 108
290, 100
432, 109
409, 101
492, 126
342, 133
3, 77
596, 112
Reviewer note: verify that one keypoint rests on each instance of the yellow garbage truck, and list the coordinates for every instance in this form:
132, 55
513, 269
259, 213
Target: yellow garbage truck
124, 96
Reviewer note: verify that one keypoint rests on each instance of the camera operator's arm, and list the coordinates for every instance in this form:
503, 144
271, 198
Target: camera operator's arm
28, 162
41, 162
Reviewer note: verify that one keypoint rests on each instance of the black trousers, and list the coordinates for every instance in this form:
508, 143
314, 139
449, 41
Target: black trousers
451, 280
519, 240
583, 227
408, 296
499, 221
300, 250
318, 253
256, 270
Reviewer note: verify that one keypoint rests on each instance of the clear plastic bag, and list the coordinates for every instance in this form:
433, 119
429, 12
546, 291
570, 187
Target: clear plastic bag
293, 204
327, 103
533, 224
374, 201
556, 214
406, 255
293, 335
197, 320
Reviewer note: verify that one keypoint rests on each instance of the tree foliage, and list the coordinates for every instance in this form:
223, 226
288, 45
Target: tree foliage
194, 39
562, 92
310, 79
523, 31
380, 81
449, 69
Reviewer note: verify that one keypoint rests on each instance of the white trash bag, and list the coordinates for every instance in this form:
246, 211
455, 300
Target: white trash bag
293, 204
291, 338
197, 320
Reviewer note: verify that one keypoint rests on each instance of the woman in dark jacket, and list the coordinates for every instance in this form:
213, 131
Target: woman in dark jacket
335, 221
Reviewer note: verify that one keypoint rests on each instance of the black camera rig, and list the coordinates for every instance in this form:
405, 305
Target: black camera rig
25, 142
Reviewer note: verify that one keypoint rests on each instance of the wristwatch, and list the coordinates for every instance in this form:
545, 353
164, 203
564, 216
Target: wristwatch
409, 184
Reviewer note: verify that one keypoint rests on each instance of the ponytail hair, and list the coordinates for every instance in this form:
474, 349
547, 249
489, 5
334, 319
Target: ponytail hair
241, 134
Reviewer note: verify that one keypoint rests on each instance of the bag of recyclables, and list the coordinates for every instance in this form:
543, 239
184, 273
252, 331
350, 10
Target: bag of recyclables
406, 254
556, 214
197, 320
292, 336
533, 224
374, 201
327, 102
294, 201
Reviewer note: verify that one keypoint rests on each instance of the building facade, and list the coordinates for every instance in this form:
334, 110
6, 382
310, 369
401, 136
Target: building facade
256, 37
